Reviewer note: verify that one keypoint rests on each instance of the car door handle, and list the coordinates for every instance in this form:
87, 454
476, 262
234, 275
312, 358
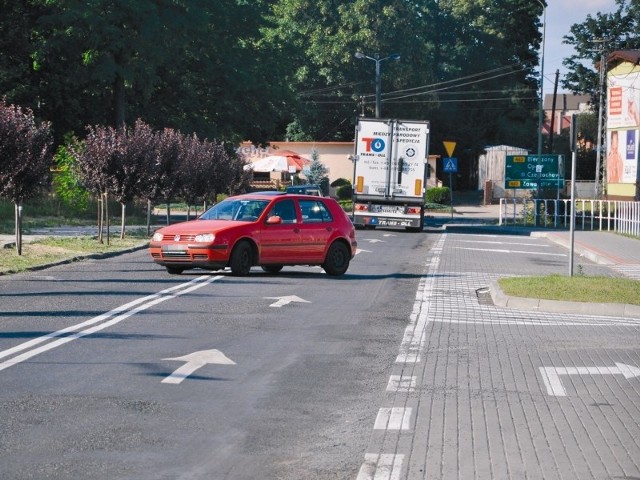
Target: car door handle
329, 229
296, 230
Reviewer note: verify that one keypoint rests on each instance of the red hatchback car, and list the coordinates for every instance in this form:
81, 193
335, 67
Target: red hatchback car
267, 229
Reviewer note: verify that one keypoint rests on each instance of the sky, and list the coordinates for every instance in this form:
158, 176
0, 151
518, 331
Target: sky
560, 15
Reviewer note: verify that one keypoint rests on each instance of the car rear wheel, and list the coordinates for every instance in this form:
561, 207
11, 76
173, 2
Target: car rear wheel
272, 268
175, 270
241, 259
337, 260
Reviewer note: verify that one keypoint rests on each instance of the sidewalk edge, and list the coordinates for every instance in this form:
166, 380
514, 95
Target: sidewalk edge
500, 299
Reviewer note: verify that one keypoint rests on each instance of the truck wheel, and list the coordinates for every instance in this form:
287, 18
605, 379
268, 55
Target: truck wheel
241, 259
337, 261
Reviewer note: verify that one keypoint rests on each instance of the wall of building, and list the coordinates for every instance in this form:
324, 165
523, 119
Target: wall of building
333, 155
336, 156
623, 131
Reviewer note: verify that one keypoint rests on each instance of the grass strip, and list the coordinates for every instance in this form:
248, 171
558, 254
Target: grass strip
57, 249
594, 289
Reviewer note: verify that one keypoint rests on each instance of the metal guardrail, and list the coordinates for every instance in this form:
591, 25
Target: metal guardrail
610, 215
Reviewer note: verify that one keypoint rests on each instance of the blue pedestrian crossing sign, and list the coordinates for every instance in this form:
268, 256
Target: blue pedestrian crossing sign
450, 164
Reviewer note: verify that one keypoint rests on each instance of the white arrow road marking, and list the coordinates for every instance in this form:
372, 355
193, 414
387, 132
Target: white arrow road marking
121, 313
286, 300
389, 235
360, 250
551, 375
194, 361
373, 240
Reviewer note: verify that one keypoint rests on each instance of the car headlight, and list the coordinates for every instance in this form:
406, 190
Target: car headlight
205, 238
157, 237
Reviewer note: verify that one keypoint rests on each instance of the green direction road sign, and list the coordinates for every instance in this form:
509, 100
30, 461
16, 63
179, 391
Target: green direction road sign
531, 171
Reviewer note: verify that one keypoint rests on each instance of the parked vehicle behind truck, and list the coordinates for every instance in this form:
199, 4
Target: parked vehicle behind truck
390, 173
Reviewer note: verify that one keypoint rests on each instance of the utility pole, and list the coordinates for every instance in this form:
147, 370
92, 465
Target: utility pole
600, 167
553, 112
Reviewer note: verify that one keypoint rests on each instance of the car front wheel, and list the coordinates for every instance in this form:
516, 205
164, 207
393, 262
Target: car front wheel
241, 259
337, 260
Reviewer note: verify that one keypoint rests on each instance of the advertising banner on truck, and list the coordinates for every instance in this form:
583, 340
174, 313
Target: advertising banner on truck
391, 158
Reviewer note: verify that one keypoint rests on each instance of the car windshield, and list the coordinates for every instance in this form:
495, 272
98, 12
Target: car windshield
244, 210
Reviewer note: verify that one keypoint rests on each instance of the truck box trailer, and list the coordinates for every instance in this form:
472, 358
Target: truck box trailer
390, 173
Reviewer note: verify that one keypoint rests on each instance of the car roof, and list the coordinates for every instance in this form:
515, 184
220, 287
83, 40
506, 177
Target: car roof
268, 195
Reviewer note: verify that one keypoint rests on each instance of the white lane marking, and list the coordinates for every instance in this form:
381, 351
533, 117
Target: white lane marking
413, 339
395, 418
511, 251
485, 235
286, 300
360, 250
122, 312
551, 375
385, 466
401, 383
372, 240
544, 322
504, 243
194, 361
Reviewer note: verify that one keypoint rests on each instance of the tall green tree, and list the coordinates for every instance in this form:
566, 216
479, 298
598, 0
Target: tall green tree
469, 66
196, 66
599, 34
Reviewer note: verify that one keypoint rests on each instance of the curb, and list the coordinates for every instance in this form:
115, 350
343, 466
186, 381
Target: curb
624, 310
78, 258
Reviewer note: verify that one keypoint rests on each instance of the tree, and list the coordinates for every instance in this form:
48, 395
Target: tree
467, 66
196, 66
132, 163
199, 165
95, 161
66, 181
599, 34
318, 172
166, 182
25, 159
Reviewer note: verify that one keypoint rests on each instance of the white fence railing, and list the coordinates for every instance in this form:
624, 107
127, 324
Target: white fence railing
611, 215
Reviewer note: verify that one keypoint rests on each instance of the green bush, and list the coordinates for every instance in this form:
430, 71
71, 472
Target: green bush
340, 182
344, 192
439, 195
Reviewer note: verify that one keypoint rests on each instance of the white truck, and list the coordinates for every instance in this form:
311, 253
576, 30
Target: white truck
390, 173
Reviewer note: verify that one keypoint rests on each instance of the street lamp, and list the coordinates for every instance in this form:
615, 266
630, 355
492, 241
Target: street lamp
378, 60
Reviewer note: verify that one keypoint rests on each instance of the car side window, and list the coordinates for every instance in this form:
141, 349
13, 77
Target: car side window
286, 210
314, 212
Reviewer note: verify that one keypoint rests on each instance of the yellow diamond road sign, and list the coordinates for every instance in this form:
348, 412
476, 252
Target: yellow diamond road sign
449, 147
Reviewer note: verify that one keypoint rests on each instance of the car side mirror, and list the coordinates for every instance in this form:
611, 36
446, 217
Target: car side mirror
274, 220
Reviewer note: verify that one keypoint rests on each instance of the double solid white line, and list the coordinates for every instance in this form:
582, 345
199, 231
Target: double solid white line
95, 324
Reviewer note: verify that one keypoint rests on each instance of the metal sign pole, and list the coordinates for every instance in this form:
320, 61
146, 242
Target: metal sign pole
451, 193
572, 224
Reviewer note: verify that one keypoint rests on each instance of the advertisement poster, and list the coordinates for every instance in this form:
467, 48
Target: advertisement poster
622, 156
614, 159
624, 101
630, 169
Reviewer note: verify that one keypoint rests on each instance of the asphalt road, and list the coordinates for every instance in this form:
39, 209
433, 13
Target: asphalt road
113, 369
297, 402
